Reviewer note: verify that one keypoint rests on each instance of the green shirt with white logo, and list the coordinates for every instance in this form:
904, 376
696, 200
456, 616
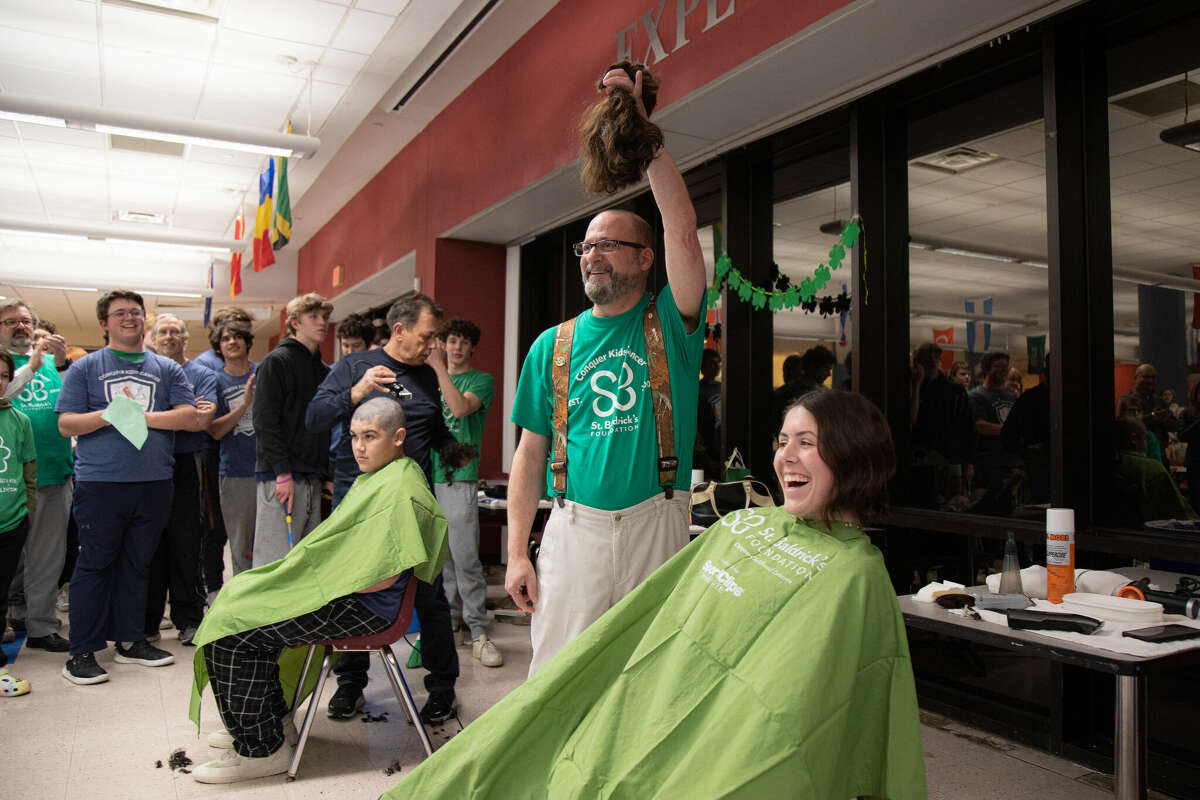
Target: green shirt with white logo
468, 429
16, 447
612, 443
36, 401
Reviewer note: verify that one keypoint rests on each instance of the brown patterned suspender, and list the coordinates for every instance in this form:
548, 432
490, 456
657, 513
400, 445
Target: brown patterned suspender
660, 392
560, 379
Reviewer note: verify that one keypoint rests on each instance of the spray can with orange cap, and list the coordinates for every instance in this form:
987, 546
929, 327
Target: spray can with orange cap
1060, 553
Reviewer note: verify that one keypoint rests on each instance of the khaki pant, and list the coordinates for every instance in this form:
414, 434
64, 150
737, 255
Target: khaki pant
590, 559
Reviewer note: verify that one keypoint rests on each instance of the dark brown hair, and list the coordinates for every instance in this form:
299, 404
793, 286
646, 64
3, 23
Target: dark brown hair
6, 358
117, 294
356, 326
616, 142
855, 442
462, 328
236, 326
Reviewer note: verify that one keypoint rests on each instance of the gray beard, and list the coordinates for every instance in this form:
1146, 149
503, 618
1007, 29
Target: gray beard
618, 286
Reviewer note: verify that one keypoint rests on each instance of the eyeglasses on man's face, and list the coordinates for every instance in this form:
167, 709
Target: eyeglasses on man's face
127, 313
15, 322
604, 246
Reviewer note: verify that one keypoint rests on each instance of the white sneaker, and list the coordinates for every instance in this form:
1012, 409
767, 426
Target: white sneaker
485, 652
223, 740
231, 767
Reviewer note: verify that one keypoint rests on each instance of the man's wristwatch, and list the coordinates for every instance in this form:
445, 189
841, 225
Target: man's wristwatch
64, 367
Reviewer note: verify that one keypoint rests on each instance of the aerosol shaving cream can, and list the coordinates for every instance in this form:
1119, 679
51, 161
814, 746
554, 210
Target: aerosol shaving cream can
1060, 553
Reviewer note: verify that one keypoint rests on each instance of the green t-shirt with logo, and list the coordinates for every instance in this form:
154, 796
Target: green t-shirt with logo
16, 447
612, 445
36, 401
468, 429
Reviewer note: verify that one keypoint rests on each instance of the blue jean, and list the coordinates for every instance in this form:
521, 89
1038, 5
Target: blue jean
120, 525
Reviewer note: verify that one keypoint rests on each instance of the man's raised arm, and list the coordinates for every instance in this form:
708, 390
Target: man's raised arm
684, 259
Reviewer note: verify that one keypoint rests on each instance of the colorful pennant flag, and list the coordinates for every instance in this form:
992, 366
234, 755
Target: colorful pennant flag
208, 298
235, 260
263, 255
281, 230
943, 335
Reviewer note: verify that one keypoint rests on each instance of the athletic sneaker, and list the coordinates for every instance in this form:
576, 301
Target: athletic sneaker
485, 652
83, 669
231, 767
222, 739
51, 642
440, 706
143, 653
187, 635
346, 702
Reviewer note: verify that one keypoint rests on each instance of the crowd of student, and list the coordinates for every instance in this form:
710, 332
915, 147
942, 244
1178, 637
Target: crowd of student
107, 522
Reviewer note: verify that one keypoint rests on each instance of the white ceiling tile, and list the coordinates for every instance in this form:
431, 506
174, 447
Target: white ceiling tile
339, 66
1149, 179
57, 53
124, 67
228, 158
85, 158
142, 195
362, 31
157, 33
217, 175
72, 88
15, 176
393, 7
1120, 166
7, 128
145, 166
11, 150
306, 21
1005, 172
73, 18
1015, 143
253, 51
1165, 154
252, 99
165, 102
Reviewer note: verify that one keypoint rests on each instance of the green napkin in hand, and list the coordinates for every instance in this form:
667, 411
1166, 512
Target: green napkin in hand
128, 417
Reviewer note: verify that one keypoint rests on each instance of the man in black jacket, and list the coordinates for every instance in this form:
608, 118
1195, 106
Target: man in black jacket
397, 369
292, 462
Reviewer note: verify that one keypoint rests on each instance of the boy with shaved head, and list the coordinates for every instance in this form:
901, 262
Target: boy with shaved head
345, 579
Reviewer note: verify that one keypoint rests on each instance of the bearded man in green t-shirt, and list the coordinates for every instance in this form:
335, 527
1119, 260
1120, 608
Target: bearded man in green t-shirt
466, 397
615, 524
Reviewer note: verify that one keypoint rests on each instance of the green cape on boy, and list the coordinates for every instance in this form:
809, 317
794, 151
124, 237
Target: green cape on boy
388, 522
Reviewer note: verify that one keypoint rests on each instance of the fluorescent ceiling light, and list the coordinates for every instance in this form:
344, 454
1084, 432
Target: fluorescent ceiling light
163, 136
1032, 263
170, 294
1020, 322
958, 251
57, 288
1185, 135
153, 126
36, 119
125, 234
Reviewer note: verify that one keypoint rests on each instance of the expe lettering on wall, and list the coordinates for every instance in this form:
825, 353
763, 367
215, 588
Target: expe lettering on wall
654, 29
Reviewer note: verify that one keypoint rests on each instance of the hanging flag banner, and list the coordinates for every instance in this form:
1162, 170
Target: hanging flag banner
281, 229
1036, 348
987, 326
969, 307
235, 260
263, 255
1196, 299
943, 335
208, 299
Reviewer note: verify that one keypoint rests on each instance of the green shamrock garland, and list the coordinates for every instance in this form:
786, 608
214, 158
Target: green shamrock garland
794, 295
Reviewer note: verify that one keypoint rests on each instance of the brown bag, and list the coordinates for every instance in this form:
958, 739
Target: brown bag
712, 500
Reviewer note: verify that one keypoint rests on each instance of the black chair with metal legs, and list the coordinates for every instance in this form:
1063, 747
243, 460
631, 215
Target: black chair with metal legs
381, 644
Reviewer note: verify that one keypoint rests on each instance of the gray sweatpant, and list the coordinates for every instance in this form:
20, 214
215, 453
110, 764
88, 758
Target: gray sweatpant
239, 508
270, 526
463, 574
44, 552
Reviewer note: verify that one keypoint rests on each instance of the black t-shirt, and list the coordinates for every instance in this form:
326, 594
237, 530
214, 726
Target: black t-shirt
420, 397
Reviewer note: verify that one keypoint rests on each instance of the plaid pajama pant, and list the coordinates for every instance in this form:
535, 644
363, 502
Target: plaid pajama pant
244, 673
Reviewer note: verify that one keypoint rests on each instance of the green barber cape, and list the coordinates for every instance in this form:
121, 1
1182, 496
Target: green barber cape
767, 659
388, 522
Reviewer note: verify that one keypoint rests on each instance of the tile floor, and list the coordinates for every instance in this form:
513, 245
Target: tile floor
67, 742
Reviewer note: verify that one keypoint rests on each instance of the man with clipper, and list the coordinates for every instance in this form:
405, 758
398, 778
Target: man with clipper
608, 406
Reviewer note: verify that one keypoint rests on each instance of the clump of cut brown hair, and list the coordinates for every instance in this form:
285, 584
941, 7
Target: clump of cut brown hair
617, 143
